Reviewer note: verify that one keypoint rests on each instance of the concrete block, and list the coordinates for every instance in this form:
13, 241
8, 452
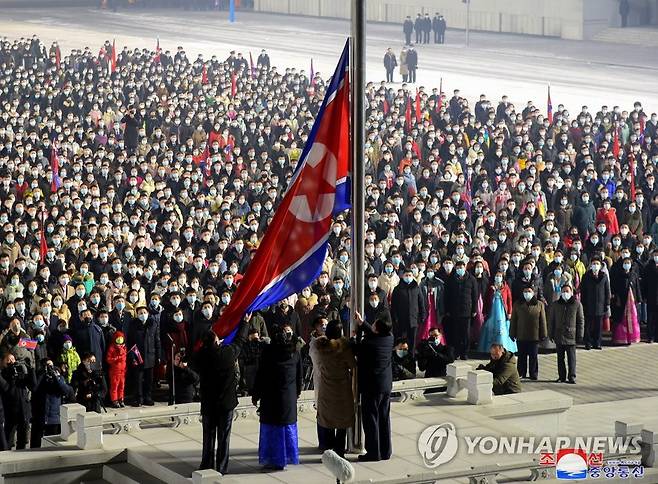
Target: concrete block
649, 447
68, 414
206, 476
456, 378
624, 429
90, 430
479, 385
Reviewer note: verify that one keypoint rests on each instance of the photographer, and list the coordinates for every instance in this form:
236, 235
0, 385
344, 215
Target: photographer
89, 384
50, 388
185, 380
19, 380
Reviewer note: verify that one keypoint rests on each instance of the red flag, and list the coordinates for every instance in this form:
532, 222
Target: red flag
156, 58
631, 164
251, 66
549, 108
407, 115
54, 165
204, 75
418, 113
234, 85
58, 56
43, 246
439, 103
386, 107
312, 74
616, 148
643, 125
113, 60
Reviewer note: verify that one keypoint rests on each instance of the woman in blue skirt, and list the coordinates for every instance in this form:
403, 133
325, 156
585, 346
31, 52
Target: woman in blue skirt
278, 385
496, 326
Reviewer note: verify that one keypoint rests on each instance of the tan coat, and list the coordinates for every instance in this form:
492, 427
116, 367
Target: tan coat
404, 69
333, 364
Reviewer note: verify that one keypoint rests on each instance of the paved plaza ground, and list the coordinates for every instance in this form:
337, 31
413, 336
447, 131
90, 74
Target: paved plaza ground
521, 66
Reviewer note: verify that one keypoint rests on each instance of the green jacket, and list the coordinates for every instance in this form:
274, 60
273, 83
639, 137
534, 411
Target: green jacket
72, 360
528, 322
506, 378
566, 322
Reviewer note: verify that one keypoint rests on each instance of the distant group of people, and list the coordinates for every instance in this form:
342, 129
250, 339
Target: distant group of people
423, 26
408, 64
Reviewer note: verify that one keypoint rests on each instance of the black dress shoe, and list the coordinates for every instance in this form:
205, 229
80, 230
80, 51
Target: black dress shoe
560, 380
571, 381
597, 348
366, 458
534, 378
588, 347
149, 403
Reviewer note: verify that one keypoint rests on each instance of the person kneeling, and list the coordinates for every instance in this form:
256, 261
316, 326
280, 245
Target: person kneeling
506, 378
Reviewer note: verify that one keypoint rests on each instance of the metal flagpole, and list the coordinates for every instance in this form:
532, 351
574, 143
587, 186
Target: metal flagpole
468, 23
357, 82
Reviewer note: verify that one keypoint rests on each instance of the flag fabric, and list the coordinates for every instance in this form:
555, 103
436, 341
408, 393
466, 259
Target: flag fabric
312, 74
631, 166
439, 103
643, 125
294, 246
54, 165
204, 75
27, 343
418, 112
386, 107
58, 57
549, 108
113, 59
616, 148
234, 84
407, 115
156, 58
252, 68
43, 245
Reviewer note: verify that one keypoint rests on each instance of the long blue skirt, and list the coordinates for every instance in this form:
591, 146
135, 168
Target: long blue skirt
496, 328
277, 445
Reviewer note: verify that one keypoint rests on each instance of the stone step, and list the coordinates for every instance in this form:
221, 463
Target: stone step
162, 465
633, 36
126, 473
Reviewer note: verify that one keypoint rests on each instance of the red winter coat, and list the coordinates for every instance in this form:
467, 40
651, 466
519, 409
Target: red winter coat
609, 218
116, 355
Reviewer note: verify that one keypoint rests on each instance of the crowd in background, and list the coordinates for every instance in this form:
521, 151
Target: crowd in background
135, 187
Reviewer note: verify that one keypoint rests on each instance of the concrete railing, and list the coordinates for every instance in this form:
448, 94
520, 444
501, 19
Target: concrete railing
477, 383
74, 417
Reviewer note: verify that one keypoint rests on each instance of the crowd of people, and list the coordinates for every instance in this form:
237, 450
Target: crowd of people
135, 187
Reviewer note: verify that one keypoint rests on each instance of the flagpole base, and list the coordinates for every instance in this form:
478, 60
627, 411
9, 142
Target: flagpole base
355, 434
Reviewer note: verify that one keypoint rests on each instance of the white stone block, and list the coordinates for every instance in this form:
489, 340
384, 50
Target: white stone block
68, 414
206, 476
479, 385
90, 431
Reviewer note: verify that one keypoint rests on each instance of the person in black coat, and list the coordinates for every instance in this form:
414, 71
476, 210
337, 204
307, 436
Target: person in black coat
408, 29
461, 306
650, 291
89, 384
17, 380
277, 387
390, 63
89, 338
133, 121
412, 63
434, 357
595, 297
407, 308
376, 309
374, 351
50, 388
144, 352
419, 24
182, 381
218, 385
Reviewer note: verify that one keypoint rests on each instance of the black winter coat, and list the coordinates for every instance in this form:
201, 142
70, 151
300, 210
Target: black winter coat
218, 374
595, 293
147, 338
374, 355
461, 296
47, 398
407, 306
278, 383
650, 284
433, 359
15, 394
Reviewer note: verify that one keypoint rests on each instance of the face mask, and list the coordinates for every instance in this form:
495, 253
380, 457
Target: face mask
119, 341
558, 272
41, 338
226, 299
527, 273
498, 279
178, 318
566, 296
68, 345
206, 312
142, 317
460, 272
401, 353
627, 267
374, 303
528, 296
80, 293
